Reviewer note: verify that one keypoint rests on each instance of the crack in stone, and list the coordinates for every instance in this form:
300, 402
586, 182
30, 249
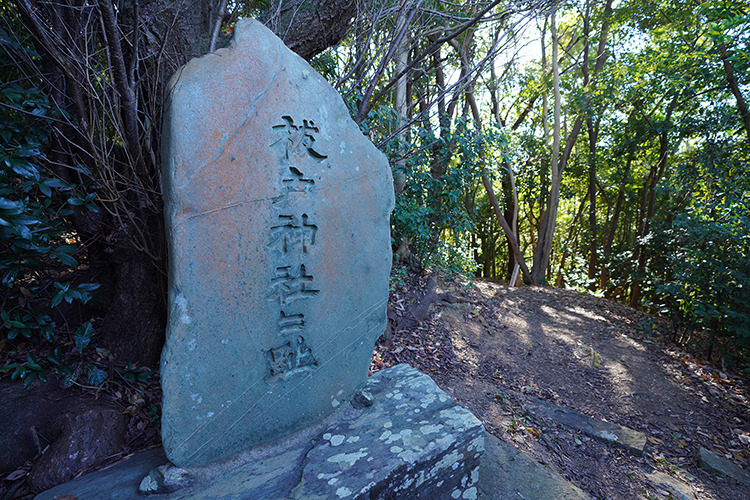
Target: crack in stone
228, 136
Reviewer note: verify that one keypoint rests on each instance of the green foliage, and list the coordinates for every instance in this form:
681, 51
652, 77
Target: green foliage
133, 374
436, 212
27, 371
700, 267
37, 246
398, 277
325, 64
708, 289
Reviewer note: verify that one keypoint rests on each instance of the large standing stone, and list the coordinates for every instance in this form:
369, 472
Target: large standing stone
277, 212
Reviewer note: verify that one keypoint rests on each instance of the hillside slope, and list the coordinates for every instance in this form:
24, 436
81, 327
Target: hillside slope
496, 349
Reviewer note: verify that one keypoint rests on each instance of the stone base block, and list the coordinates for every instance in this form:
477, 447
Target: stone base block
402, 437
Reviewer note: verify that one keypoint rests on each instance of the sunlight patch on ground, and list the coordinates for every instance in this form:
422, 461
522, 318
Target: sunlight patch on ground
631, 343
558, 334
515, 321
560, 317
526, 338
620, 378
487, 289
464, 353
587, 314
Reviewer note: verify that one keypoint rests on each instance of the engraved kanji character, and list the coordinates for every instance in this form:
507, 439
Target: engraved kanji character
289, 232
283, 234
294, 182
291, 323
295, 138
289, 285
281, 359
287, 359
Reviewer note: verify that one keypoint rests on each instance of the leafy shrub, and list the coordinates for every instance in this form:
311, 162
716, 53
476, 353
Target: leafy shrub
709, 287
437, 213
37, 247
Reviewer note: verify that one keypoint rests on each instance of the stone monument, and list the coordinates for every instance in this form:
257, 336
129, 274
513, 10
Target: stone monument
277, 211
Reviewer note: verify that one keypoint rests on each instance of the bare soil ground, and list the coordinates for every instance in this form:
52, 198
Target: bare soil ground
587, 354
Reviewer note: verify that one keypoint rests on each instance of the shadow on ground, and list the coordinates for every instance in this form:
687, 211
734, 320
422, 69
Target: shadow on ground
505, 345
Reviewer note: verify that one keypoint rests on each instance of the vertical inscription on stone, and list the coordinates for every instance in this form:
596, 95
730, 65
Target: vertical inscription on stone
291, 239
277, 214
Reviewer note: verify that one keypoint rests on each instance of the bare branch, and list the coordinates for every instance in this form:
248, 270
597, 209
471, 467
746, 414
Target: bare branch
221, 12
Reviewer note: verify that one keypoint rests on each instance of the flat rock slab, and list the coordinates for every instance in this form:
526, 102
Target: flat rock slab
719, 465
118, 482
608, 432
507, 473
277, 213
674, 487
413, 442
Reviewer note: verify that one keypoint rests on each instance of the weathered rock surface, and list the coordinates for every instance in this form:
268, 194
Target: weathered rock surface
675, 488
412, 442
277, 212
506, 472
625, 437
415, 443
719, 465
26, 412
64, 432
118, 482
165, 479
82, 438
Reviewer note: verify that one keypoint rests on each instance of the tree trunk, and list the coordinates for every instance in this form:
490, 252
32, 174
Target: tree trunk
509, 233
735, 88
510, 193
402, 55
543, 250
648, 200
570, 242
610, 237
308, 27
593, 131
547, 228
506, 228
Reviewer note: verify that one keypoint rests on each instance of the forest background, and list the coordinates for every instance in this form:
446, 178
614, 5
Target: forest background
600, 145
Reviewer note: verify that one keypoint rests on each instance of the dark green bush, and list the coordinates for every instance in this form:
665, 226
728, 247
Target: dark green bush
709, 286
38, 249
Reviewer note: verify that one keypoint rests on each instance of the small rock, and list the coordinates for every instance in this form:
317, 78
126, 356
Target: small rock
673, 488
362, 399
165, 479
83, 437
625, 437
150, 484
27, 414
718, 465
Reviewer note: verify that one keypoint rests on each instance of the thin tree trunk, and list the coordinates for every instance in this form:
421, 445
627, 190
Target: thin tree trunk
509, 182
648, 200
734, 86
514, 247
547, 229
610, 238
593, 131
569, 243
402, 55
506, 228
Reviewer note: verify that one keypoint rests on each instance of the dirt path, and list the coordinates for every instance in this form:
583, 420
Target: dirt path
593, 356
